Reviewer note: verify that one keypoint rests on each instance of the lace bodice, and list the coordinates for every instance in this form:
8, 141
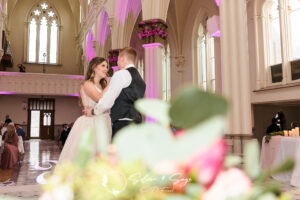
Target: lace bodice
86, 100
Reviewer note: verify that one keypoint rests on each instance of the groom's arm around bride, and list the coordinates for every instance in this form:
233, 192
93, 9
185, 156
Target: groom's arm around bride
126, 86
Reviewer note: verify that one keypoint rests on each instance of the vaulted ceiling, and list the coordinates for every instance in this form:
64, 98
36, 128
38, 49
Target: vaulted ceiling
11, 4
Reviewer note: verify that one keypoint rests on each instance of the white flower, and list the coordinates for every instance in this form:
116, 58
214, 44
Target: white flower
63, 192
230, 183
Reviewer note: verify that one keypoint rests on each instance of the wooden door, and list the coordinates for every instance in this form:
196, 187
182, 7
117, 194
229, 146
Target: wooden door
41, 118
47, 125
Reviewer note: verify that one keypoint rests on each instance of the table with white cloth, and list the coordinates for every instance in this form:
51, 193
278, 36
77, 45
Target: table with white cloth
276, 152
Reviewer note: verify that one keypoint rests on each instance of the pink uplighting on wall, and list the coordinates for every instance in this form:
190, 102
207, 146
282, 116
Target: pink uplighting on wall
90, 53
3, 92
124, 7
74, 76
103, 28
152, 45
213, 26
218, 2
10, 73
90, 11
217, 34
73, 95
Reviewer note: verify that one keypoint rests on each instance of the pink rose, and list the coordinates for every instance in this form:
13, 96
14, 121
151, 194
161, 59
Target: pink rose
208, 163
229, 183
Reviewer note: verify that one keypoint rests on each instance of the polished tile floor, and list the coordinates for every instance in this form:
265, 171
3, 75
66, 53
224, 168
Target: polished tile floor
39, 159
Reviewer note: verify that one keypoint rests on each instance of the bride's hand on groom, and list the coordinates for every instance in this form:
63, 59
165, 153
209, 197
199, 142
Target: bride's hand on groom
88, 111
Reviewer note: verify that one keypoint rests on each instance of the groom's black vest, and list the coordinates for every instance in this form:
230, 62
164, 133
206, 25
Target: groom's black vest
124, 104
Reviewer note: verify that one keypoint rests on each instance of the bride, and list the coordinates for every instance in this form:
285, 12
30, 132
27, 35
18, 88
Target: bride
90, 92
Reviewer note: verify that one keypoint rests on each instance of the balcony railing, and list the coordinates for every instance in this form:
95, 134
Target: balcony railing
39, 84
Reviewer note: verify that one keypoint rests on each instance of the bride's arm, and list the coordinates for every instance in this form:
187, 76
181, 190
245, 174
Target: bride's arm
91, 91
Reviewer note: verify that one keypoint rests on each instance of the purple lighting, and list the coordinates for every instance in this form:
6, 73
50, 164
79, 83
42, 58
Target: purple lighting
218, 2
75, 76
103, 30
73, 95
151, 45
217, 34
124, 7
90, 53
8, 93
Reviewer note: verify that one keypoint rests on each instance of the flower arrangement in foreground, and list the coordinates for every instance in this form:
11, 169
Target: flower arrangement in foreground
148, 162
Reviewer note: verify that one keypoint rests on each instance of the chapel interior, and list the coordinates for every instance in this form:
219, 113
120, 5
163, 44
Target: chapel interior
245, 50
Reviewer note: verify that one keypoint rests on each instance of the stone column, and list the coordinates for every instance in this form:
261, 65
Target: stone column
153, 34
235, 65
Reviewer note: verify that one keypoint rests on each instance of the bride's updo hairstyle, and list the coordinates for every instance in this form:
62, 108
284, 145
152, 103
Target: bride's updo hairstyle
91, 71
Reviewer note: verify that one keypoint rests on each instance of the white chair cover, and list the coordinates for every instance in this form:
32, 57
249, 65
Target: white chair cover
20, 145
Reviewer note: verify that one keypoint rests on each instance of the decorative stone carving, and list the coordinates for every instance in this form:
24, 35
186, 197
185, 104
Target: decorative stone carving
153, 31
111, 22
35, 83
179, 62
95, 45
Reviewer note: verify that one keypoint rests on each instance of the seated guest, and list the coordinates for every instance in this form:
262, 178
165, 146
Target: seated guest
7, 119
64, 134
10, 151
1, 126
273, 127
20, 131
3, 130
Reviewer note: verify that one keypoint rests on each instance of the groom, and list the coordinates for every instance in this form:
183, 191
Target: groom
126, 86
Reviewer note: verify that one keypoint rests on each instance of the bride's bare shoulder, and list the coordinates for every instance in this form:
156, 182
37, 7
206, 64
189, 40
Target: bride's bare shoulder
87, 84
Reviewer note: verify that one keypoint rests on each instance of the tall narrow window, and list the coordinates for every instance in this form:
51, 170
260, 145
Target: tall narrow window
43, 35
43, 40
275, 46
32, 41
294, 13
53, 43
212, 64
206, 60
166, 75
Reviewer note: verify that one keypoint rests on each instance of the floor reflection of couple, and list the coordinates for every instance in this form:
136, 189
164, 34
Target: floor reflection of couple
114, 101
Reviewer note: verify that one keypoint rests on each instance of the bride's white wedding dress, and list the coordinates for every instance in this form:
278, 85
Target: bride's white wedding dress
83, 123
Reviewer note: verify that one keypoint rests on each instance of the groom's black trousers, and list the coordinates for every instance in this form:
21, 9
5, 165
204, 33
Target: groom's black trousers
119, 124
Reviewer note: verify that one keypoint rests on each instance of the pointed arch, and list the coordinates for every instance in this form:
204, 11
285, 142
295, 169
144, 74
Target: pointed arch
43, 34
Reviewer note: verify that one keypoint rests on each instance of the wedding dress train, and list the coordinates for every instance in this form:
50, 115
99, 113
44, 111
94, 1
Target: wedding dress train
83, 123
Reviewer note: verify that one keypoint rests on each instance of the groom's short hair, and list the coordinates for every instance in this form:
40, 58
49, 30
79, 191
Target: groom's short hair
129, 52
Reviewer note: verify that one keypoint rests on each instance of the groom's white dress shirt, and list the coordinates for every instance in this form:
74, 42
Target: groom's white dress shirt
121, 79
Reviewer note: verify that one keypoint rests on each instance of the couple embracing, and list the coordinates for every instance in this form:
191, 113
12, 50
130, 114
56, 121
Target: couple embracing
114, 101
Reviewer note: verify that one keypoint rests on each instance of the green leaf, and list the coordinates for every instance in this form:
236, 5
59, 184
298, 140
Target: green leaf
154, 108
85, 148
194, 190
231, 161
252, 165
194, 106
272, 187
153, 143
